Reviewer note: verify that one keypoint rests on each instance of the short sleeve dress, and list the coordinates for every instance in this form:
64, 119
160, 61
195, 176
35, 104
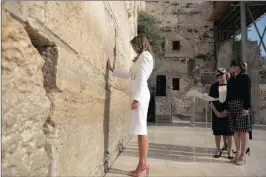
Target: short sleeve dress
220, 126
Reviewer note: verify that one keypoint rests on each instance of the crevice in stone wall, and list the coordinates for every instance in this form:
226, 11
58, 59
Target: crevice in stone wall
49, 53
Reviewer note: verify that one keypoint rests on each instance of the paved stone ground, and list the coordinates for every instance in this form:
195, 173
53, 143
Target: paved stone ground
171, 153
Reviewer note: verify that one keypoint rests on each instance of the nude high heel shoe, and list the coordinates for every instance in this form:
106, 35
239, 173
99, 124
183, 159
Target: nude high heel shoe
234, 160
137, 173
241, 162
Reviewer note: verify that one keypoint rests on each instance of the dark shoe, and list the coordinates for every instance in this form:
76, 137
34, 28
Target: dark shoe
248, 151
218, 155
225, 148
230, 155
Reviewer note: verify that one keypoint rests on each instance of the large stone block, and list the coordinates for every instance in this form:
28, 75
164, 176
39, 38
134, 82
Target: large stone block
27, 9
25, 104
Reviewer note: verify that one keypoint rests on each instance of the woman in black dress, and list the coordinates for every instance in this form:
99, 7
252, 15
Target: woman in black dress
238, 106
220, 124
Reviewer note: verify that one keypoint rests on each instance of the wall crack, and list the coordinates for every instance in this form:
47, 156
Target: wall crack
48, 51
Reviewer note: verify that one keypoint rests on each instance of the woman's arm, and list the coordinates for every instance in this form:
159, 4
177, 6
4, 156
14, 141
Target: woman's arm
228, 91
146, 66
121, 73
118, 72
213, 108
211, 93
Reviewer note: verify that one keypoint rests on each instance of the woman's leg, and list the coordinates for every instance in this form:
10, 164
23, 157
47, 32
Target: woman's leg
218, 142
237, 144
218, 146
143, 149
225, 141
244, 136
225, 146
230, 143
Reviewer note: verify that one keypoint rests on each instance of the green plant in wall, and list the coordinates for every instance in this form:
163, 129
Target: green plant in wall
202, 56
208, 57
147, 26
205, 35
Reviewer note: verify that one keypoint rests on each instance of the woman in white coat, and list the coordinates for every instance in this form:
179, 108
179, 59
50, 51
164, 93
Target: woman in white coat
139, 73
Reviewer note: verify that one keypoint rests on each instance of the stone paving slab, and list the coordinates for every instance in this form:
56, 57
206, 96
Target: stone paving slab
171, 153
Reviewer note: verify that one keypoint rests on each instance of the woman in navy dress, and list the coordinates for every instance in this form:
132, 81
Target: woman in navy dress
238, 109
220, 124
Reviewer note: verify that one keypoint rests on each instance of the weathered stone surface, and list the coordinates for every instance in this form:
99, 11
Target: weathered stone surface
25, 104
225, 54
83, 126
262, 107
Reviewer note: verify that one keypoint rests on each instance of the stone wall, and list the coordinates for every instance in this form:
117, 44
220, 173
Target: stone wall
262, 113
225, 54
188, 23
228, 50
25, 104
60, 114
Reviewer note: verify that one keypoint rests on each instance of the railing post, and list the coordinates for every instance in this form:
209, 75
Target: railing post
243, 31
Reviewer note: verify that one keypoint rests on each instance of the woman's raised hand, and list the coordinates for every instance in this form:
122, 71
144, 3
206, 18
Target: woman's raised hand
109, 67
135, 105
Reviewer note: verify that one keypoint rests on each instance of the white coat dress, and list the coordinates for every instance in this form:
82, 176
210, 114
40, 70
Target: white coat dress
139, 73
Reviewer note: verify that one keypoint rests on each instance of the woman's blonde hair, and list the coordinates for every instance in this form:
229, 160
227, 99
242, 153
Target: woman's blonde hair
140, 44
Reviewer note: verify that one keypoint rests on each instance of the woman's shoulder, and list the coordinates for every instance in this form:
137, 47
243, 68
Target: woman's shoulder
215, 84
244, 76
146, 54
230, 79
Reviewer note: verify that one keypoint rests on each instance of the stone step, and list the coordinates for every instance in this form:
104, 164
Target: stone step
163, 119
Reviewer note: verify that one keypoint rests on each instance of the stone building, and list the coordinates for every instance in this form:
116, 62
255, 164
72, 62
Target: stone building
60, 115
262, 105
188, 61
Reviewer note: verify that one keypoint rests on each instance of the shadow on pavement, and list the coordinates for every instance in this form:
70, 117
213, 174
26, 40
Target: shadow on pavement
117, 171
178, 153
261, 127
